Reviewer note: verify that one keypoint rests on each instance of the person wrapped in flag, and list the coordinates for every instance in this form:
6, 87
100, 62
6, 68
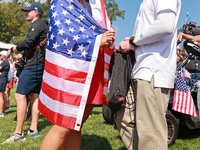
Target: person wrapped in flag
79, 45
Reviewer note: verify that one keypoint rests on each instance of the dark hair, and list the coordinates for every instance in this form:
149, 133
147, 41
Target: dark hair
83, 3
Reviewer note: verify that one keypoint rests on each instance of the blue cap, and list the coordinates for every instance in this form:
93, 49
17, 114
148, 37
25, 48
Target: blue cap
34, 6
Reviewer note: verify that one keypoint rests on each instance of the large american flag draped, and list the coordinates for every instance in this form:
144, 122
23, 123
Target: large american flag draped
72, 48
183, 101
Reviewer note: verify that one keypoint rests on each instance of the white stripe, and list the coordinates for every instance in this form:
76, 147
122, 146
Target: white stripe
105, 90
184, 106
107, 58
88, 83
106, 74
176, 99
180, 101
67, 63
63, 85
58, 107
188, 103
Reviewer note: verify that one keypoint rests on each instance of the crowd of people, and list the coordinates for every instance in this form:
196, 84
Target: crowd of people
153, 42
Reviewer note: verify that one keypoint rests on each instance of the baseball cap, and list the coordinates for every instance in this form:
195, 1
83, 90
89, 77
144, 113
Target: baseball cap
34, 6
3, 53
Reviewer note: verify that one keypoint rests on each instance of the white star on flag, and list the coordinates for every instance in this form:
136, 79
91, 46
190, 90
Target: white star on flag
81, 47
55, 45
52, 7
70, 52
76, 37
92, 27
84, 53
81, 17
54, 14
52, 36
57, 22
65, 41
68, 21
71, 30
65, 12
61, 31
70, 7
82, 29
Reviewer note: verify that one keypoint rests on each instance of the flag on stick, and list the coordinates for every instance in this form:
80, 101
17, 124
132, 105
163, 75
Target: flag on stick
183, 101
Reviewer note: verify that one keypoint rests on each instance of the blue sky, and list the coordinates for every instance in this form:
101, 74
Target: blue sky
124, 27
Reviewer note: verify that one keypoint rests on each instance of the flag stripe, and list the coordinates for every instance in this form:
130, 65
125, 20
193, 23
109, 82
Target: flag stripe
64, 85
59, 107
66, 74
65, 62
60, 95
57, 118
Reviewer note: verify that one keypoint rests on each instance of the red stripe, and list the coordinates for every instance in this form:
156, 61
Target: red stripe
66, 74
108, 51
61, 96
56, 118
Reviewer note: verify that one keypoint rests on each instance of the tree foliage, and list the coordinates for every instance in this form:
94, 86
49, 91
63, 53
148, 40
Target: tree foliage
13, 24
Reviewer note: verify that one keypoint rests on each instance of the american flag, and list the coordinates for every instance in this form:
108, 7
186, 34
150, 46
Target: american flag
72, 48
183, 101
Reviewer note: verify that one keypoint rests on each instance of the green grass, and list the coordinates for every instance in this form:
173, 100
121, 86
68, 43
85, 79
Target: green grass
96, 134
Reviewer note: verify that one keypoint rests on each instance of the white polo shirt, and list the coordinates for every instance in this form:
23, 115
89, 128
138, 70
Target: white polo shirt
158, 58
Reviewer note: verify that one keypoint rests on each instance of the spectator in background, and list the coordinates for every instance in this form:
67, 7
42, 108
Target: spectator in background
9, 86
30, 79
4, 68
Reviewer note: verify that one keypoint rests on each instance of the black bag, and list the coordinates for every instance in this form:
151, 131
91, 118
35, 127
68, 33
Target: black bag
19, 66
120, 74
193, 66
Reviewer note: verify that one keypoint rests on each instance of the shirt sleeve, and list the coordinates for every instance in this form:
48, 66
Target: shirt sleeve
163, 26
162, 5
31, 38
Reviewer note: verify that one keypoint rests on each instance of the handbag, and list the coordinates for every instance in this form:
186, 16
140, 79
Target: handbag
19, 66
120, 79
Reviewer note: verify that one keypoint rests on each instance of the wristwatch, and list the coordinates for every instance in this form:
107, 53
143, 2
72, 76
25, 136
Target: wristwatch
11, 49
131, 41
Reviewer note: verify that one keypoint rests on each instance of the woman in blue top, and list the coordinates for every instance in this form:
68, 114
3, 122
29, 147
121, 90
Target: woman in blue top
4, 68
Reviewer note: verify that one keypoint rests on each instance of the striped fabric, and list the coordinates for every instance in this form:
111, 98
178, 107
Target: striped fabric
71, 52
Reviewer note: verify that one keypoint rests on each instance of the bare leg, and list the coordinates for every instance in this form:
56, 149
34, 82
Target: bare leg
7, 97
35, 112
1, 103
62, 138
21, 111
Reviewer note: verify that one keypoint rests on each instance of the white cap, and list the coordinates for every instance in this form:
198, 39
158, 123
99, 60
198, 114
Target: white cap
3, 53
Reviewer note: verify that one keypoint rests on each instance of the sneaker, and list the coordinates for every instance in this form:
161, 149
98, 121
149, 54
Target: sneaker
14, 138
7, 107
33, 134
3, 114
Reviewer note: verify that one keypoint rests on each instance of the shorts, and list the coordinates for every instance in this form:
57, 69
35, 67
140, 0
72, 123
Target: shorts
10, 85
3, 86
30, 80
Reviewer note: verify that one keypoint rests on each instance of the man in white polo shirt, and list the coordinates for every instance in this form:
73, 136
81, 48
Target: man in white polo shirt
154, 43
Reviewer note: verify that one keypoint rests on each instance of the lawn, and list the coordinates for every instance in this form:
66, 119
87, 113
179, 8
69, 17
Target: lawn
96, 134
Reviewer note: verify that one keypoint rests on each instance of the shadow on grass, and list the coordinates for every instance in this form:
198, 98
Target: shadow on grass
43, 123
94, 142
185, 133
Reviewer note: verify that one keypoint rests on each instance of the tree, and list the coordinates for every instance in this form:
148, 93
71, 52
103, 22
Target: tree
113, 10
11, 21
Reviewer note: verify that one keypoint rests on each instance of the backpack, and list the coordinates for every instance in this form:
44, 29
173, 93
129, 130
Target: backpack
10, 74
